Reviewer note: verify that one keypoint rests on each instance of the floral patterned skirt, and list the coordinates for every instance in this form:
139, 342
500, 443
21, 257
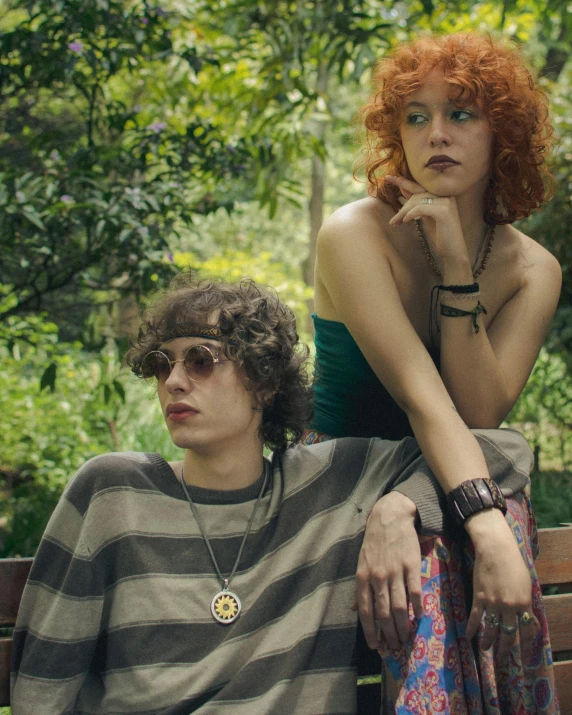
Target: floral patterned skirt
439, 670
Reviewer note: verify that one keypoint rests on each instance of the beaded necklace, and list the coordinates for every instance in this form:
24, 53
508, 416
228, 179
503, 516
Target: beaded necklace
489, 232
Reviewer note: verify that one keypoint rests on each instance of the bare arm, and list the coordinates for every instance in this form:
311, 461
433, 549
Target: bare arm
353, 267
360, 284
485, 373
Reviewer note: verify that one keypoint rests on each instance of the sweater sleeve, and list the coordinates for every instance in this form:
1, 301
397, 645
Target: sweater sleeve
59, 618
509, 460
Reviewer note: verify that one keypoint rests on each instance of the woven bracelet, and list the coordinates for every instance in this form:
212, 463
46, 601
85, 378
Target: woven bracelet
450, 312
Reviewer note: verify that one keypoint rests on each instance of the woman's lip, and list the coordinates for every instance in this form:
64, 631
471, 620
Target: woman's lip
181, 415
441, 165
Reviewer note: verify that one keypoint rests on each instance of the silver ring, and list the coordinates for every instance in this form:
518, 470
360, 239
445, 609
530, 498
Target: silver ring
525, 618
507, 629
492, 620
427, 200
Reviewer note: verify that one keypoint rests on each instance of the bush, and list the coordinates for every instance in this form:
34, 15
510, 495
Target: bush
51, 420
552, 498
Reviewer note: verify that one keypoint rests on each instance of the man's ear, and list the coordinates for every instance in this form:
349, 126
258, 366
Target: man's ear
263, 399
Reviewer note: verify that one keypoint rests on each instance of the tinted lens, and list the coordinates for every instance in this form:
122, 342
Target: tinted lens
199, 362
155, 367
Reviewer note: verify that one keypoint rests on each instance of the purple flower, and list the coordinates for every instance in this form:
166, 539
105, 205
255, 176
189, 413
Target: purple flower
156, 127
66, 199
170, 258
55, 155
145, 20
76, 47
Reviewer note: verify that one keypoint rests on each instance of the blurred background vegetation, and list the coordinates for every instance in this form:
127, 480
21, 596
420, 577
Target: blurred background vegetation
140, 138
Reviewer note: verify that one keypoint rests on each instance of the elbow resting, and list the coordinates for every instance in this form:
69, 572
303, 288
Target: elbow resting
487, 417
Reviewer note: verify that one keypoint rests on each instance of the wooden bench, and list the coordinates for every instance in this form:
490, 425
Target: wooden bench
554, 567
13, 575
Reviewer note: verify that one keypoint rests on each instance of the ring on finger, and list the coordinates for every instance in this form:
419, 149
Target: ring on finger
509, 630
492, 620
525, 618
427, 200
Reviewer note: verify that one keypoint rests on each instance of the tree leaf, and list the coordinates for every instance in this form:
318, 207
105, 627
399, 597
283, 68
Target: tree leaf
48, 378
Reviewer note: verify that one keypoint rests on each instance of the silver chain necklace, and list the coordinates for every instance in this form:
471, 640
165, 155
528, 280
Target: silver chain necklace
226, 606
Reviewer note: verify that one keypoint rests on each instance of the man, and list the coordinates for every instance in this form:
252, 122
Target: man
222, 583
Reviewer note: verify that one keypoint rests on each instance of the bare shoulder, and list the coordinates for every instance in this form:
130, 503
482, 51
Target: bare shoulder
359, 217
352, 256
538, 265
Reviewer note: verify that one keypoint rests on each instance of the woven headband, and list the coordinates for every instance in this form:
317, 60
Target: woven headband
197, 330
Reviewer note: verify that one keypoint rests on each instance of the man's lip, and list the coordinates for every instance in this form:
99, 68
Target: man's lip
178, 408
441, 159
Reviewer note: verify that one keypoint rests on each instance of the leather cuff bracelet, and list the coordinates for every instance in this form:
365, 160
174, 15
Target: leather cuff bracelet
473, 496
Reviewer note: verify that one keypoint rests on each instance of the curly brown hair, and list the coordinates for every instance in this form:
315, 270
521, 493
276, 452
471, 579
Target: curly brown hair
258, 334
482, 71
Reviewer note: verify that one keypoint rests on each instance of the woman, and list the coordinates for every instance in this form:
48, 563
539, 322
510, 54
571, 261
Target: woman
430, 312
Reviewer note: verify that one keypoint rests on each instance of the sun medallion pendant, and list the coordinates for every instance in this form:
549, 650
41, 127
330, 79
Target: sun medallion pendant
225, 606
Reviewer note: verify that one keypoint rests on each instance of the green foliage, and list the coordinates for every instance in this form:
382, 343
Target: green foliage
233, 265
46, 434
543, 412
282, 62
551, 227
551, 496
94, 178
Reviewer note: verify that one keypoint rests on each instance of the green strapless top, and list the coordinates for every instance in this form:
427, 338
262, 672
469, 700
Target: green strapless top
350, 401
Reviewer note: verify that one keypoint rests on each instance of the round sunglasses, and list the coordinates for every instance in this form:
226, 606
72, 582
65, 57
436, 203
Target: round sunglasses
199, 363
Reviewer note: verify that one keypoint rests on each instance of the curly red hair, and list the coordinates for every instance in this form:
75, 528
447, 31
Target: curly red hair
480, 71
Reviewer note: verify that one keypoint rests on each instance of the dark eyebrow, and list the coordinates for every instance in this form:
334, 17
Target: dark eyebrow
165, 351
216, 347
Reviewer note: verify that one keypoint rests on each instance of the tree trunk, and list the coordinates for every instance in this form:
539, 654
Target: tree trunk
318, 183
316, 214
558, 53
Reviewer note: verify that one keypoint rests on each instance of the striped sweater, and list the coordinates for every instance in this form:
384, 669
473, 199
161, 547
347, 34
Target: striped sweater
115, 617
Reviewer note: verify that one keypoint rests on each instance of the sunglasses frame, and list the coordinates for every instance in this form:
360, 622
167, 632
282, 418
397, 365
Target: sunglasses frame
217, 360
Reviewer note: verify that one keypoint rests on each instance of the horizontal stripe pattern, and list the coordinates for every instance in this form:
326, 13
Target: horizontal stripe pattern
116, 617
123, 557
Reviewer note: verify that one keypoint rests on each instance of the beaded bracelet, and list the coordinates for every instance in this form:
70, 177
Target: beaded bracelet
474, 496
462, 296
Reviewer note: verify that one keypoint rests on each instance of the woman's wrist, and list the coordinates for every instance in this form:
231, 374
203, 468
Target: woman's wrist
483, 527
456, 270
474, 496
400, 505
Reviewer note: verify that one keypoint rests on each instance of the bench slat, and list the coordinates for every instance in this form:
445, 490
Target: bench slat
559, 614
563, 677
5, 653
13, 575
554, 563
